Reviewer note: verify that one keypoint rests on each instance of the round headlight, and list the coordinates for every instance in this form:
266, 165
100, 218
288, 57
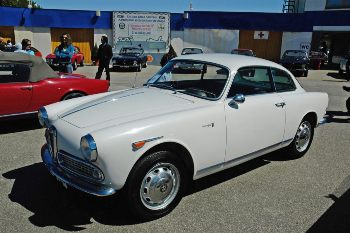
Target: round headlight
135, 63
43, 117
88, 148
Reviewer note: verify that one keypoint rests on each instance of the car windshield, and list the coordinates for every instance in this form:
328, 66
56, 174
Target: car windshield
194, 78
243, 52
131, 51
294, 53
191, 51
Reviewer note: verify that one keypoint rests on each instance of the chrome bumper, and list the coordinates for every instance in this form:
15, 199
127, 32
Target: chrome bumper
323, 121
73, 181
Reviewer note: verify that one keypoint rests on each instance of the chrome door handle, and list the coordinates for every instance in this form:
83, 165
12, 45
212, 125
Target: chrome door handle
282, 104
29, 88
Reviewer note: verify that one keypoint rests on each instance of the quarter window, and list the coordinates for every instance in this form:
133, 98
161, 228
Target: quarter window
283, 81
14, 73
251, 81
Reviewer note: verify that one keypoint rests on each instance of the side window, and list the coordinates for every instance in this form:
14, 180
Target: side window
283, 81
251, 81
14, 73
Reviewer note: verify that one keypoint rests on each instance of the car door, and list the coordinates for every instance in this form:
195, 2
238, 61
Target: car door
255, 124
15, 90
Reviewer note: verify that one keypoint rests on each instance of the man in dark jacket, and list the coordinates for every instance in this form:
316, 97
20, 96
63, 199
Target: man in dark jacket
104, 56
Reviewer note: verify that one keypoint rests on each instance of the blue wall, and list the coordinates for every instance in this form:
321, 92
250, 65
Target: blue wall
54, 18
299, 22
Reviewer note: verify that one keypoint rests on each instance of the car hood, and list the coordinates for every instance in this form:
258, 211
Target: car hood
127, 106
293, 60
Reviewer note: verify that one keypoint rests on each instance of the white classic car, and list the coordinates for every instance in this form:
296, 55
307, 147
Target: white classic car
183, 124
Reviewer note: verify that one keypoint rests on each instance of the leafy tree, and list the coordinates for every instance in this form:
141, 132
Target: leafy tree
18, 3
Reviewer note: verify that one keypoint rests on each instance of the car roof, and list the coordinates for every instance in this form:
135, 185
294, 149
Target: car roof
39, 68
231, 61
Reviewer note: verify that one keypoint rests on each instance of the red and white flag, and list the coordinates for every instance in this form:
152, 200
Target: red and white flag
261, 35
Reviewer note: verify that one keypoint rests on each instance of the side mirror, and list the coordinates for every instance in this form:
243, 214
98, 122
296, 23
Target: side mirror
239, 98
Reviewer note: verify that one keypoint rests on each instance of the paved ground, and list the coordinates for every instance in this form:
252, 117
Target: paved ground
269, 194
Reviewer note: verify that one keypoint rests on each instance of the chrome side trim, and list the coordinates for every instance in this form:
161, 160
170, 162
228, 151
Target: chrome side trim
240, 160
71, 180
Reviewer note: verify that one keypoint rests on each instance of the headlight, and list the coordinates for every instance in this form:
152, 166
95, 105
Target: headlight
88, 148
43, 117
135, 63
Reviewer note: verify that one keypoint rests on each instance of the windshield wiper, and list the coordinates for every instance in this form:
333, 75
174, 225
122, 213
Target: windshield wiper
163, 86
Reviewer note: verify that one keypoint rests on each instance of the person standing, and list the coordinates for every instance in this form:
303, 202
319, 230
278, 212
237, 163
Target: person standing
64, 53
104, 56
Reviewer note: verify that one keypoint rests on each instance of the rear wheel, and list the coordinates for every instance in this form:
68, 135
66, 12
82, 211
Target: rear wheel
348, 104
75, 65
73, 95
302, 139
156, 185
82, 62
306, 72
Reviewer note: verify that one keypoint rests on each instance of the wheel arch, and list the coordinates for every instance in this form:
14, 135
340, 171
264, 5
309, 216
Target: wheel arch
71, 92
312, 116
177, 149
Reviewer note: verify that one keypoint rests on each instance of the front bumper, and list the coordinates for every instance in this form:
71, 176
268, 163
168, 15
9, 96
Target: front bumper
71, 180
295, 67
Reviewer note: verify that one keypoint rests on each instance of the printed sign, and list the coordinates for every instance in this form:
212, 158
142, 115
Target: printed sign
261, 35
141, 27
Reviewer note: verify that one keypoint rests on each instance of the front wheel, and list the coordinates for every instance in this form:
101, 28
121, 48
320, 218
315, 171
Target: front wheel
302, 139
156, 185
75, 65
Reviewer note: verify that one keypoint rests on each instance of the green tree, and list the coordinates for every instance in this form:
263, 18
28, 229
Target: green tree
18, 3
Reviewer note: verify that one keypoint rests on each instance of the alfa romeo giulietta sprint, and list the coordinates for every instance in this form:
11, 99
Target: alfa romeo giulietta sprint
198, 115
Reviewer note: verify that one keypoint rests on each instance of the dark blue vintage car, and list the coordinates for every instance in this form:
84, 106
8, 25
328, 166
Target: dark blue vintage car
297, 61
130, 58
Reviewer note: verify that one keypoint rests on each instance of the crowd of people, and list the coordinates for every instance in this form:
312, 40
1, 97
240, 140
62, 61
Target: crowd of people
64, 53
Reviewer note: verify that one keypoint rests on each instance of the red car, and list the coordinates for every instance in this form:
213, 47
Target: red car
28, 83
246, 52
77, 59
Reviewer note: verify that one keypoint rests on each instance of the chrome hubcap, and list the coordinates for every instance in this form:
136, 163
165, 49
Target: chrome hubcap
303, 136
160, 186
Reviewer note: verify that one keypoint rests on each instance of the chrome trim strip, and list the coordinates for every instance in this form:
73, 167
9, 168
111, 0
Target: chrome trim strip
18, 114
72, 181
240, 160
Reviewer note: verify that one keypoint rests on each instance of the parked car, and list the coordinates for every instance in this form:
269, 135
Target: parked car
186, 51
344, 65
297, 61
130, 57
13, 48
77, 59
28, 83
246, 52
318, 59
151, 141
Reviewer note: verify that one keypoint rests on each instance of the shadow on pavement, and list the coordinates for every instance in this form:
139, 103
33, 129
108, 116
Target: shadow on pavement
19, 125
337, 217
338, 117
338, 76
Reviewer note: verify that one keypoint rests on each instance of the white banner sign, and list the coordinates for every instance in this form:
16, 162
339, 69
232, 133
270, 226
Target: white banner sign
141, 27
261, 35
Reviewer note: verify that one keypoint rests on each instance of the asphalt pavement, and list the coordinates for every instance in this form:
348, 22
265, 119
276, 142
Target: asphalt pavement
273, 193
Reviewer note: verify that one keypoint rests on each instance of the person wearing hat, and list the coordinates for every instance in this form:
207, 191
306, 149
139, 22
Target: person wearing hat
104, 56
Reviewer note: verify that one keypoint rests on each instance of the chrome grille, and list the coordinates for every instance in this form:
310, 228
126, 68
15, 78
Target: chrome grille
77, 166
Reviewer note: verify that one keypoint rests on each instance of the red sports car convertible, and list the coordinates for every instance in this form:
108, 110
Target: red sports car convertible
77, 59
28, 83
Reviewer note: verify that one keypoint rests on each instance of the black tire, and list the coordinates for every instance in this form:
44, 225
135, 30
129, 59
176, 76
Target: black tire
340, 71
153, 178
73, 95
348, 104
306, 73
144, 65
75, 65
305, 131
82, 62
